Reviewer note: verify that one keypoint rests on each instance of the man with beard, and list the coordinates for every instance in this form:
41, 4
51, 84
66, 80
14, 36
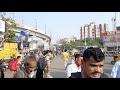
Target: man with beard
28, 70
91, 65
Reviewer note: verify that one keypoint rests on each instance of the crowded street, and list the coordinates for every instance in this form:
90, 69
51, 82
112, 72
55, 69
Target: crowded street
58, 69
48, 45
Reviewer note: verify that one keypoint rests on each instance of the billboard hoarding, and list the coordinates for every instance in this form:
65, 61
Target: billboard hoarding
2, 26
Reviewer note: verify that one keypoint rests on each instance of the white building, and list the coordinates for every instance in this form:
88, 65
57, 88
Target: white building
109, 41
92, 30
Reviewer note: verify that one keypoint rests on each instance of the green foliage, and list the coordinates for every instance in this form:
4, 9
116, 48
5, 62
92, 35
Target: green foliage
9, 35
76, 42
92, 41
72, 44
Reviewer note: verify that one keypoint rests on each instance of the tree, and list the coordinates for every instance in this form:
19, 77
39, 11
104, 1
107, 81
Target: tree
92, 42
9, 35
76, 42
99, 40
72, 44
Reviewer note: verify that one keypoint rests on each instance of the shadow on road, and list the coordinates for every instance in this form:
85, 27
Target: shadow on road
58, 74
108, 72
62, 69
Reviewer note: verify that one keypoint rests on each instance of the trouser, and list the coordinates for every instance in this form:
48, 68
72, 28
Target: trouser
46, 72
65, 63
39, 73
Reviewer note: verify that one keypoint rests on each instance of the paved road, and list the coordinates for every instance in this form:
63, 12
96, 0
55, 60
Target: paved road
108, 66
9, 74
58, 69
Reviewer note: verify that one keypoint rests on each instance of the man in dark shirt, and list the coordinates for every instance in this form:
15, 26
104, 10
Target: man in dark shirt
91, 65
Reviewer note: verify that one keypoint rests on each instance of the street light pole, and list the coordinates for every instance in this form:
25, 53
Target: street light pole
13, 15
36, 23
85, 43
116, 31
45, 28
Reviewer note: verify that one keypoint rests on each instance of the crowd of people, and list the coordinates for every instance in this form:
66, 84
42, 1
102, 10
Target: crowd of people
36, 65
90, 64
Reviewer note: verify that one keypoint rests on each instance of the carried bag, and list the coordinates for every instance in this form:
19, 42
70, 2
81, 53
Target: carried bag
13, 65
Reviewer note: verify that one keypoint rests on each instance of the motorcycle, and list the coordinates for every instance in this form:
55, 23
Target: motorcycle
4, 66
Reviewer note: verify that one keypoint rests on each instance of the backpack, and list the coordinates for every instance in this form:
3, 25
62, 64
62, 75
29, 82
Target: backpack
41, 64
13, 65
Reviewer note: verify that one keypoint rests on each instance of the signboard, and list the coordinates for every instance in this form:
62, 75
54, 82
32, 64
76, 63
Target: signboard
24, 36
2, 26
18, 40
13, 45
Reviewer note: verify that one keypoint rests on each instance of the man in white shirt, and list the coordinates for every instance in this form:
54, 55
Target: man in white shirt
116, 70
72, 59
74, 67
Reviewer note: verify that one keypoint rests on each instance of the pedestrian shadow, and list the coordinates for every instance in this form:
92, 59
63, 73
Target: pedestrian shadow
108, 63
108, 72
58, 74
62, 69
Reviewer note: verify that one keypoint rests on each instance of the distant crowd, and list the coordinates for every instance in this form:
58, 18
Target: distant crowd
90, 64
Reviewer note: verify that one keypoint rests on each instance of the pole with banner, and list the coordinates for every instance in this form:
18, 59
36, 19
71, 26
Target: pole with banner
22, 46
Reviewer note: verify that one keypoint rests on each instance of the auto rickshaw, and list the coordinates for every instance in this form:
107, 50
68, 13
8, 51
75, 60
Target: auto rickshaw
116, 57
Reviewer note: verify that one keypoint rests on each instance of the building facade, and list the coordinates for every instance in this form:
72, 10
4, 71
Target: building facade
110, 42
92, 30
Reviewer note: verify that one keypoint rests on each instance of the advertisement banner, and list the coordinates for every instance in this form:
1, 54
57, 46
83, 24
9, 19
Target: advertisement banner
2, 26
24, 36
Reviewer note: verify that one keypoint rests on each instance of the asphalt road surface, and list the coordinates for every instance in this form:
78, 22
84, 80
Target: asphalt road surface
58, 69
108, 66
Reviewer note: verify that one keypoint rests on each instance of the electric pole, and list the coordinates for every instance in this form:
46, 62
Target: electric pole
116, 31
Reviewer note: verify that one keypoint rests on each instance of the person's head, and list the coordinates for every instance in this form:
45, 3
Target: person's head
92, 63
18, 57
40, 51
30, 63
78, 59
48, 52
13, 55
76, 53
65, 50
